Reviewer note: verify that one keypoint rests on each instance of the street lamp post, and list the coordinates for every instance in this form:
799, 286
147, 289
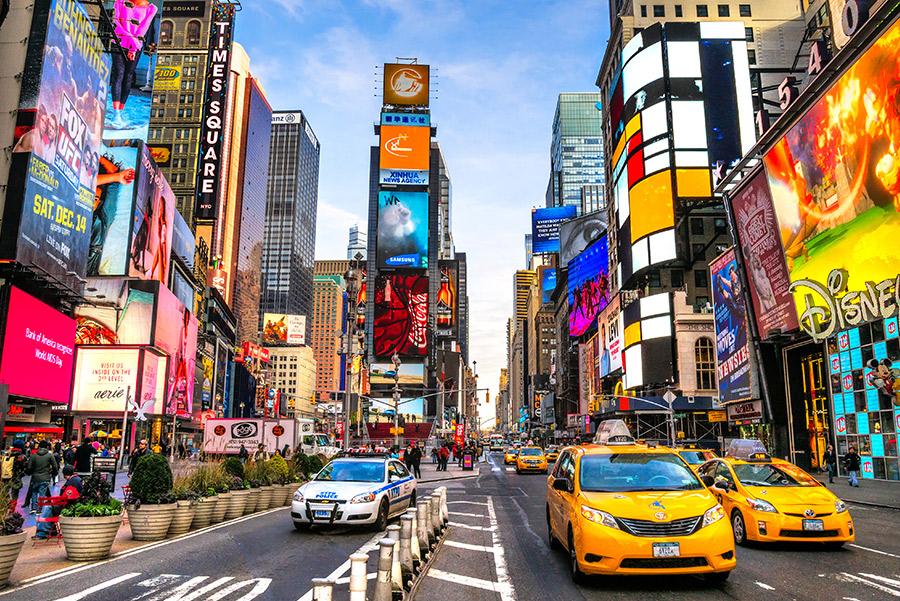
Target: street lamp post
396, 396
351, 279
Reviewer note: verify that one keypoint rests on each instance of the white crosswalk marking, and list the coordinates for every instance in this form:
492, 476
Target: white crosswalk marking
99, 587
469, 515
260, 585
869, 583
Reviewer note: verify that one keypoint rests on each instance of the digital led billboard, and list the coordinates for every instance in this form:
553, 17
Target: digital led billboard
732, 342
105, 378
648, 342
588, 287
131, 324
401, 315
402, 229
279, 328
576, 234
406, 85
612, 326
548, 283
447, 302
545, 224
404, 147
175, 333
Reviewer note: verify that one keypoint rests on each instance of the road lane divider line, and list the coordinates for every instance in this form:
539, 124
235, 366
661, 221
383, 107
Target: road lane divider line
487, 585
346, 579
466, 503
99, 587
855, 546
470, 547
884, 579
468, 527
468, 515
764, 586
339, 571
507, 592
875, 585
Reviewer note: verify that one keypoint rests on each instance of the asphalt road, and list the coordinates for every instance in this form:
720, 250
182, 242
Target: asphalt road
497, 550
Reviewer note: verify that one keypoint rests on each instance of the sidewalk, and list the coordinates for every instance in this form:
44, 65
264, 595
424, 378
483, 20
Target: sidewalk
454, 472
878, 493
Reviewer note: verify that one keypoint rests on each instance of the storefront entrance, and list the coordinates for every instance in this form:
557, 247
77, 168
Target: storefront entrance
809, 421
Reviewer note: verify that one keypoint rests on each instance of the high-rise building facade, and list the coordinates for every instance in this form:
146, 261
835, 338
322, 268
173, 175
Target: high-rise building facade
357, 244
326, 325
292, 370
577, 170
292, 199
522, 284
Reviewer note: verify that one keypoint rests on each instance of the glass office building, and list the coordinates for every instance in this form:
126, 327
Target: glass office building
577, 173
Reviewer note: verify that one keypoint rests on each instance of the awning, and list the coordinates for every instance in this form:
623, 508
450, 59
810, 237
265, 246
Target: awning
34, 429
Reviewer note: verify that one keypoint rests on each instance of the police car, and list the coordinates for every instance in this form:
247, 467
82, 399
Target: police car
355, 491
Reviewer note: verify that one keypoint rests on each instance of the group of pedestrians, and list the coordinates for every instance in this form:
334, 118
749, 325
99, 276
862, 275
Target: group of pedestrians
412, 457
851, 465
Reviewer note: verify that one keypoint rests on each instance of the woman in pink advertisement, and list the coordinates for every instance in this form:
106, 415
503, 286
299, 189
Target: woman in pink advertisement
161, 256
132, 19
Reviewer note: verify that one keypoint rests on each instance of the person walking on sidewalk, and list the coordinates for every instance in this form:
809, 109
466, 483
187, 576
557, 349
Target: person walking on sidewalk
443, 457
71, 491
69, 452
83, 455
13, 468
851, 462
43, 467
830, 463
243, 454
260, 454
414, 456
137, 454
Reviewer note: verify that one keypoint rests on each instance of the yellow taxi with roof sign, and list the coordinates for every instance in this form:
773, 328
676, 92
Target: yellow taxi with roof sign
619, 507
694, 456
552, 453
509, 457
768, 499
531, 459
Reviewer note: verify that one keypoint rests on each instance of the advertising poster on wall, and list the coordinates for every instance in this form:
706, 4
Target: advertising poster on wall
447, 306
111, 218
732, 343
175, 333
105, 378
545, 224
836, 202
612, 328
404, 147
402, 229
136, 29
548, 283
152, 223
401, 315
588, 287
38, 349
279, 328
406, 85
225, 436
403, 177
153, 383
59, 124
577, 234
757, 233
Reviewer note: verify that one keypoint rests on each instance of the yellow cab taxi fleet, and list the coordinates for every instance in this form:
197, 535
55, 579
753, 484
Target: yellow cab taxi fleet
769, 499
623, 508
509, 457
694, 456
531, 459
552, 453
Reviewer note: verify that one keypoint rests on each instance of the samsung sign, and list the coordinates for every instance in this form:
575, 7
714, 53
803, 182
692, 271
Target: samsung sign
209, 171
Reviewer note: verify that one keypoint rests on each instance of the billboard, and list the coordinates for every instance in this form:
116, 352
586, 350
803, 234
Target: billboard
732, 342
59, 124
612, 327
131, 81
648, 352
401, 315
588, 287
131, 324
279, 328
167, 78
175, 333
105, 378
403, 177
212, 128
153, 383
548, 283
417, 119
406, 85
576, 234
402, 229
225, 436
38, 349
834, 183
404, 147
382, 374
757, 233
545, 224
447, 304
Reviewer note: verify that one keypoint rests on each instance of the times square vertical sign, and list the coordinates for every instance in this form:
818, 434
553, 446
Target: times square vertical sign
212, 129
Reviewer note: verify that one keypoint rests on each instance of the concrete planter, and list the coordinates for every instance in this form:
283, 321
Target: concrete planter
150, 522
91, 538
218, 513
252, 501
280, 494
203, 510
10, 546
265, 498
292, 488
236, 504
181, 519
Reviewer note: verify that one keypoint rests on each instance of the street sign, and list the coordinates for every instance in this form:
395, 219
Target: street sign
717, 416
669, 397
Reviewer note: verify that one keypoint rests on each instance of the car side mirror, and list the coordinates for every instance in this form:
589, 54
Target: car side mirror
722, 483
707, 481
564, 485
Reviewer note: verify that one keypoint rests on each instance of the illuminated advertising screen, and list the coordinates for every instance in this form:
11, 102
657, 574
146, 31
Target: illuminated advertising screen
105, 378
279, 328
132, 323
59, 124
412, 407
834, 184
576, 234
175, 333
38, 349
545, 225
732, 342
406, 85
401, 315
167, 78
410, 374
402, 229
447, 303
648, 354
417, 119
152, 393
611, 326
588, 287
136, 29
404, 147
548, 283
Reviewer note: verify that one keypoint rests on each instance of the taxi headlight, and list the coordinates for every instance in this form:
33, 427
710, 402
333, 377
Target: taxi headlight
840, 506
298, 496
713, 515
366, 497
760, 505
598, 517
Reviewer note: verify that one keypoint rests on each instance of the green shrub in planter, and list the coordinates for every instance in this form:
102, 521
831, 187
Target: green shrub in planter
314, 463
234, 467
279, 470
151, 482
95, 499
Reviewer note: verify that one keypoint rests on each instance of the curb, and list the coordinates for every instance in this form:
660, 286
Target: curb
420, 577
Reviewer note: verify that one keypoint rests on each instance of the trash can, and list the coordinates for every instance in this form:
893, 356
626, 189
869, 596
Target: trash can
468, 462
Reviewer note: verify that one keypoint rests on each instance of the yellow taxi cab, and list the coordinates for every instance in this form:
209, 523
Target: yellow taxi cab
623, 508
552, 454
771, 500
694, 457
531, 459
509, 457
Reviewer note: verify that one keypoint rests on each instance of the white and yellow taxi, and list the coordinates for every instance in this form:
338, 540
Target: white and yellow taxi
624, 508
771, 500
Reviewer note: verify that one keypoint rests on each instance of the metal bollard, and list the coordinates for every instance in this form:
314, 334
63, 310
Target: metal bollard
445, 513
423, 530
358, 577
393, 533
323, 588
414, 538
383, 586
406, 559
436, 514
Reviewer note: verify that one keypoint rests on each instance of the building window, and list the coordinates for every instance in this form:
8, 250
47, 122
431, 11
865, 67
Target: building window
193, 32
700, 279
748, 34
678, 11
702, 10
751, 56
659, 10
699, 251
165, 33
705, 364
721, 225
697, 226
677, 279
653, 280
724, 10
643, 10
744, 10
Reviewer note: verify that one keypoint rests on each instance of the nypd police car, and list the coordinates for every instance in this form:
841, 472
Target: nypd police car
355, 490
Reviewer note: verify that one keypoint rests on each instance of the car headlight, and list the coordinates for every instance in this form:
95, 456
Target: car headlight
840, 506
713, 515
599, 517
760, 505
298, 496
366, 497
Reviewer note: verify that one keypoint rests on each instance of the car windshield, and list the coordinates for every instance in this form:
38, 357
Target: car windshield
352, 471
322, 440
513, 451
531, 452
628, 472
694, 457
767, 474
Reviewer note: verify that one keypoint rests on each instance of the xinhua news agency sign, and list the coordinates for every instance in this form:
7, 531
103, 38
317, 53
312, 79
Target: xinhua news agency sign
212, 129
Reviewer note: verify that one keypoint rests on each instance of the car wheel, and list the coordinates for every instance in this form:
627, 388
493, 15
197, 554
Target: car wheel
739, 527
717, 577
551, 540
381, 522
578, 577
302, 526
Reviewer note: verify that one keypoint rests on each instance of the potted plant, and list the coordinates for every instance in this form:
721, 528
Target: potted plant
11, 535
90, 524
222, 483
185, 500
151, 505
261, 473
201, 484
239, 491
252, 487
297, 470
281, 476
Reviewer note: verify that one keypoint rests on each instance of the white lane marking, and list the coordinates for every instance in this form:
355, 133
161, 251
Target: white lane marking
487, 585
884, 579
339, 571
467, 503
206, 589
496, 469
159, 587
874, 585
467, 527
346, 579
468, 515
507, 592
510, 469
764, 586
260, 585
99, 587
873, 550
458, 545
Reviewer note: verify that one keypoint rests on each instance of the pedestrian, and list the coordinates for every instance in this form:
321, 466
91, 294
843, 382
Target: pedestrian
182, 452
830, 463
71, 491
13, 468
43, 468
260, 454
851, 462
434, 455
137, 454
83, 455
243, 454
69, 452
414, 458
285, 451
443, 457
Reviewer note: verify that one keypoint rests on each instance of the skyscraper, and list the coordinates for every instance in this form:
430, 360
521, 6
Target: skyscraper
577, 173
357, 243
325, 338
292, 199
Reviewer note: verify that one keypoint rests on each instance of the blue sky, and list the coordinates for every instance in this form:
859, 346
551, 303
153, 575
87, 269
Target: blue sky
499, 67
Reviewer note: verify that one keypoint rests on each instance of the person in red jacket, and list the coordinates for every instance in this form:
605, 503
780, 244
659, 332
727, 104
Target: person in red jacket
71, 491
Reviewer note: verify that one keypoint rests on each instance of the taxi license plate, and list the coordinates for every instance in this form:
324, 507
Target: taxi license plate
814, 525
322, 513
666, 550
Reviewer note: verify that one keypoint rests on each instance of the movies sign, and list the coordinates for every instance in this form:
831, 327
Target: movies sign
732, 343
209, 170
